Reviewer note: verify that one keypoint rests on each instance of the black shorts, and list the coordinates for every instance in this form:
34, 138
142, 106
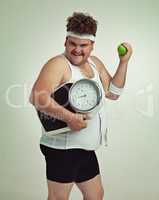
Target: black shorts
70, 165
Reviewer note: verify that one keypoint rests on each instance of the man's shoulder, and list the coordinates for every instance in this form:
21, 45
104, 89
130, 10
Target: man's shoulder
57, 65
99, 64
58, 59
95, 59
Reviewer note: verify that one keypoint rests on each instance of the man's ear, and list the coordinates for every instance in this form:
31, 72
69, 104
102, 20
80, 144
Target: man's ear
65, 42
92, 46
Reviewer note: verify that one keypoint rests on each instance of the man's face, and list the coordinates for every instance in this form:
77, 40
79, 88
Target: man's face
78, 50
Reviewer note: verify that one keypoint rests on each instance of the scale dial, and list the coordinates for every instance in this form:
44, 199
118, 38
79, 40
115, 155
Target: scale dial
85, 95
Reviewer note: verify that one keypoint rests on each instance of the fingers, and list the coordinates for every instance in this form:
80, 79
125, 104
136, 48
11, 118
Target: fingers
128, 46
83, 116
128, 54
86, 117
84, 124
83, 120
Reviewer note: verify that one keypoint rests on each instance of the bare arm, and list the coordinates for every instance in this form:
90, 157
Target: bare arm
50, 77
104, 75
119, 77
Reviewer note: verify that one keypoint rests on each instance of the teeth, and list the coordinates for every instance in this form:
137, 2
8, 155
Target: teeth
76, 54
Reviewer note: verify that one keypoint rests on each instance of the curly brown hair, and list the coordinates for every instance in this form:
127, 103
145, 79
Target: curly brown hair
82, 23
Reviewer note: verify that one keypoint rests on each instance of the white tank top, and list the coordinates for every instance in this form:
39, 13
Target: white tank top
89, 138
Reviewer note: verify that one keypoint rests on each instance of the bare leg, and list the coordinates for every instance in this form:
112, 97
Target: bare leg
58, 191
92, 189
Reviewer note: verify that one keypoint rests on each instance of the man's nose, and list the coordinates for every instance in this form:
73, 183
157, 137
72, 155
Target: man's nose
78, 49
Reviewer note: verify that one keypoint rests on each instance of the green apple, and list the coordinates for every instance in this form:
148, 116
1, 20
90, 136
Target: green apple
122, 50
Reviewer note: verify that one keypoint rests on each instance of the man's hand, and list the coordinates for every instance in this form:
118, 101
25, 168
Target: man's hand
78, 121
126, 57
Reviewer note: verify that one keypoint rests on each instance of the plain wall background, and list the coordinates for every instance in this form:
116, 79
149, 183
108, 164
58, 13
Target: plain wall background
34, 31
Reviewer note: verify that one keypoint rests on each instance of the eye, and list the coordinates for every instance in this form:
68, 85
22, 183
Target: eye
72, 43
83, 45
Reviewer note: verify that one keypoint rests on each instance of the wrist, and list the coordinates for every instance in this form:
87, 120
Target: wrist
113, 88
69, 117
123, 62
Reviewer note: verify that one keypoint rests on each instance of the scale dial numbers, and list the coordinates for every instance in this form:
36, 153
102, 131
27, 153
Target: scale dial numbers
84, 95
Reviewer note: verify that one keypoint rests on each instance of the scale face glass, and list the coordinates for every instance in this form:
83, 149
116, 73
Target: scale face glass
85, 95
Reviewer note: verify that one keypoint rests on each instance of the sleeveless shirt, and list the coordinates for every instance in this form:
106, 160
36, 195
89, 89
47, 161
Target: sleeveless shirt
89, 138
